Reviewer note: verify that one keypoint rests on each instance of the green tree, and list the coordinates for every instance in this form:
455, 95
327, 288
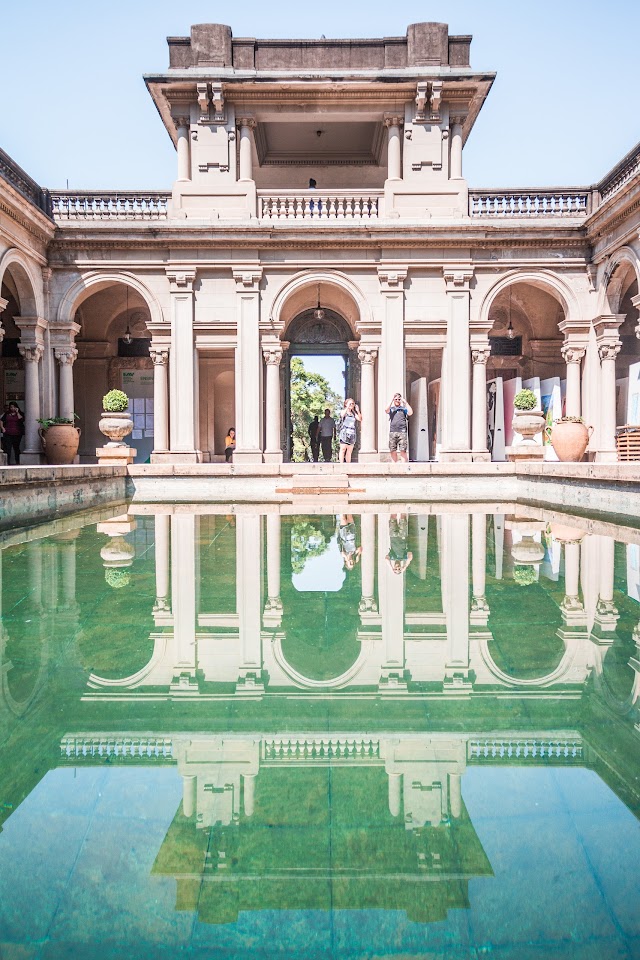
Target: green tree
310, 394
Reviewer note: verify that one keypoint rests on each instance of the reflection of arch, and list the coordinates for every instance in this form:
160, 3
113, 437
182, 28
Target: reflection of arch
615, 279
160, 648
541, 279
335, 683
93, 282
605, 690
28, 282
556, 676
337, 293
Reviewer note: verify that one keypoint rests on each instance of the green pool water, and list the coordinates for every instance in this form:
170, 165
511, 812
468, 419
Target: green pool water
234, 734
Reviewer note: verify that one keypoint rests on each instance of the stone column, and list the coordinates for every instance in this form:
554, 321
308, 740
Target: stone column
608, 351
272, 354
184, 160
480, 356
456, 150
456, 403
162, 525
391, 361
248, 367
246, 125
181, 369
479, 606
32, 354
394, 157
66, 357
160, 357
367, 357
572, 356
273, 606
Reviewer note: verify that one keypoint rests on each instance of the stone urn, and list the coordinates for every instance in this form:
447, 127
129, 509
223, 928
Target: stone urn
60, 442
115, 426
528, 424
569, 438
118, 553
527, 551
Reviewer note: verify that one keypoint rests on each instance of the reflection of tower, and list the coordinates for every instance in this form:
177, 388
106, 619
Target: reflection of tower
217, 774
424, 779
454, 531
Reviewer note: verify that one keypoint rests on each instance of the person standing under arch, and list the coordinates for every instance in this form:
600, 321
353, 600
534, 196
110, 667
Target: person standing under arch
349, 417
398, 412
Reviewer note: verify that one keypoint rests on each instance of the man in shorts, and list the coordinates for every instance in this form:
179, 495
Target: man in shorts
399, 411
327, 432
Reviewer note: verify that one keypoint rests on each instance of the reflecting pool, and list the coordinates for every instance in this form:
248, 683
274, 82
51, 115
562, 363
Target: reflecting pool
381, 734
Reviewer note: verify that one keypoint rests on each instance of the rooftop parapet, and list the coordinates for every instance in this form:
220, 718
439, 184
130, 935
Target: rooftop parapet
212, 45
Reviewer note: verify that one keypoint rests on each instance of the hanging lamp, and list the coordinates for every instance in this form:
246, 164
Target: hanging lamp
319, 313
510, 331
127, 338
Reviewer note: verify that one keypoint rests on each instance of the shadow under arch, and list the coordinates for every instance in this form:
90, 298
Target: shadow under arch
336, 291
93, 282
542, 279
27, 281
616, 280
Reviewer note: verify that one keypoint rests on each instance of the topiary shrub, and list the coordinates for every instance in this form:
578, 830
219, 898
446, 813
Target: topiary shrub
115, 401
525, 400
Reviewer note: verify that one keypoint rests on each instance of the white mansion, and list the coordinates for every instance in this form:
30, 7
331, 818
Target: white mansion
320, 206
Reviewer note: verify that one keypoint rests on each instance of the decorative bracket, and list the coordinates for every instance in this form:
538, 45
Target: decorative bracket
247, 279
205, 167
436, 101
182, 279
392, 279
422, 97
457, 278
203, 101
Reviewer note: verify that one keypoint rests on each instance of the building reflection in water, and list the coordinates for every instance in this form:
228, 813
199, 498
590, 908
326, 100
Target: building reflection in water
505, 628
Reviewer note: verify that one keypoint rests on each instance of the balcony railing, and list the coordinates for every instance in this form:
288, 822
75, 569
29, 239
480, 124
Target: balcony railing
621, 174
22, 182
110, 205
317, 205
529, 204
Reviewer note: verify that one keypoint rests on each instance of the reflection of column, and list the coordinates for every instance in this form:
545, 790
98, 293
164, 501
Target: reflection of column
162, 522
34, 568
248, 367
181, 367
32, 354
456, 400
571, 605
273, 606
183, 598
606, 611
246, 125
249, 793
160, 357
395, 794
367, 356
248, 593
68, 551
479, 605
572, 356
391, 598
66, 357
455, 795
479, 355
455, 596
272, 354
394, 156
368, 563
189, 792
184, 165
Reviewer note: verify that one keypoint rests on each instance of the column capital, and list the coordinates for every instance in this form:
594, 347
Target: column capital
572, 353
247, 279
392, 278
31, 352
182, 121
3, 304
66, 355
457, 277
246, 122
393, 120
272, 354
480, 354
367, 354
181, 280
159, 355
609, 350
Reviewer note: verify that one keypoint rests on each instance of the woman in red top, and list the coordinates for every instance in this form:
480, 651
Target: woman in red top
12, 425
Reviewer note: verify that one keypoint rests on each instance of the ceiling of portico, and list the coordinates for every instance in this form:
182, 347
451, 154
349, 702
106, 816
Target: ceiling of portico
318, 141
103, 315
533, 311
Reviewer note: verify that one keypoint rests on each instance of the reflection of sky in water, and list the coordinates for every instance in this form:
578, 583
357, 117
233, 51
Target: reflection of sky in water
323, 574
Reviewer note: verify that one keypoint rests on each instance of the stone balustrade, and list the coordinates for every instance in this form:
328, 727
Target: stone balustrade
320, 749
110, 205
23, 183
493, 749
529, 203
317, 205
622, 173
123, 748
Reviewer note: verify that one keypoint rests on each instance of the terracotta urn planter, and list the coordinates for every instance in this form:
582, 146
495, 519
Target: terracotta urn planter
569, 439
60, 443
115, 426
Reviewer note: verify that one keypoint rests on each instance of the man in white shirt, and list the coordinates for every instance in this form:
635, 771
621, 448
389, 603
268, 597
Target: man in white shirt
327, 433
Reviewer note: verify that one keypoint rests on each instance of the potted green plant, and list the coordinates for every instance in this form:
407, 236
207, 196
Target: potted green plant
528, 421
569, 438
60, 439
115, 422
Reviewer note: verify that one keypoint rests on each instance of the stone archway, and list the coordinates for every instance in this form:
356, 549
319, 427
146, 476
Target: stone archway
309, 335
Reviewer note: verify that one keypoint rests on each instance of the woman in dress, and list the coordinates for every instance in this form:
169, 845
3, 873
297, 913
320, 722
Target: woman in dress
347, 436
229, 444
12, 429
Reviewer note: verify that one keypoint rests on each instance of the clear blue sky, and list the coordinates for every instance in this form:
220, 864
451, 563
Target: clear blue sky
73, 105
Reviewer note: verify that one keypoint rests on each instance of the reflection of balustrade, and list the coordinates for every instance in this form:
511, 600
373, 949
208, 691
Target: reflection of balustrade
529, 203
110, 205
320, 749
518, 748
143, 748
338, 205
